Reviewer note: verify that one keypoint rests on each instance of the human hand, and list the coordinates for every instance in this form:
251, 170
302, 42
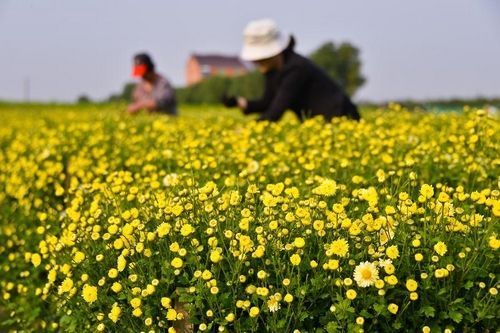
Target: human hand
133, 108
229, 101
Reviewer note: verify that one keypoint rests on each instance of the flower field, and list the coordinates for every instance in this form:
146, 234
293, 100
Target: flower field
211, 222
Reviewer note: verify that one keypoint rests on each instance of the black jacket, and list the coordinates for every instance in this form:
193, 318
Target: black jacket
302, 87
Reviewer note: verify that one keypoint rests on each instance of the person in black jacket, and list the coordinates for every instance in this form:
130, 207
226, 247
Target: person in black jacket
292, 82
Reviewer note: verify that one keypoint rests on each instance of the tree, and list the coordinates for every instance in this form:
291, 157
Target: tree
341, 63
83, 99
124, 95
128, 90
211, 89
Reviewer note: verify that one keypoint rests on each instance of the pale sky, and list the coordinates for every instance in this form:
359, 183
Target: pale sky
418, 49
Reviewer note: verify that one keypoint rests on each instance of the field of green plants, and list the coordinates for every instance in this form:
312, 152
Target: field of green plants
211, 222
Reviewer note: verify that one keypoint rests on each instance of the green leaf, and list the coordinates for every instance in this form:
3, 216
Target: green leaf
397, 325
468, 285
281, 323
379, 308
332, 327
442, 291
455, 316
428, 311
303, 316
365, 314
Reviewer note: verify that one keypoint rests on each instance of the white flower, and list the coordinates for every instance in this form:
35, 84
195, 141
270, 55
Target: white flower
365, 274
273, 304
384, 262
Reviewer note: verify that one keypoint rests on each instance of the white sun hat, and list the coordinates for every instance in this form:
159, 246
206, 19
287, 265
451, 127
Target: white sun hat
261, 40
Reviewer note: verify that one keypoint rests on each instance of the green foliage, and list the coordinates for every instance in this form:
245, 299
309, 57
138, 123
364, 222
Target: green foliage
83, 99
342, 64
124, 95
210, 90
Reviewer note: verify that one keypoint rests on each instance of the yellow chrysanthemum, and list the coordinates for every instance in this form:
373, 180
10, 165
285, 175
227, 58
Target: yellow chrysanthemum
339, 247
440, 248
89, 293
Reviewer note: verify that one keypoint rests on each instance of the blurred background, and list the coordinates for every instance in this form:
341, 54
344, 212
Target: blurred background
386, 50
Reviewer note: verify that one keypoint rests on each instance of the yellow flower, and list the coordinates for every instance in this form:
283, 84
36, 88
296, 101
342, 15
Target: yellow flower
391, 279
163, 229
441, 273
135, 302
36, 259
327, 188
116, 287
254, 311
66, 285
339, 247
215, 256
389, 268
206, 275
443, 197
288, 298
261, 274
295, 259
89, 293
393, 308
299, 242
137, 312
365, 274
113, 273
392, 252
187, 229
177, 262
121, 263
333, 264
115, 312
351, 294
171, 314
174, 247
440, 248
78, 257
411, 285
427, 191
493, 242
118, 244
166, 302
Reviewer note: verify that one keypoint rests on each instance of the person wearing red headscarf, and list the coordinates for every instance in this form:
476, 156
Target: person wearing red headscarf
154, 92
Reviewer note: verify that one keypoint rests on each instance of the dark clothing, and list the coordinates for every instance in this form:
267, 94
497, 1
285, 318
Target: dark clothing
304, 88
161, 92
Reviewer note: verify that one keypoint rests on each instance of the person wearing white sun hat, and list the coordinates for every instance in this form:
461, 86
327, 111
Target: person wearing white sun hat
292, 82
